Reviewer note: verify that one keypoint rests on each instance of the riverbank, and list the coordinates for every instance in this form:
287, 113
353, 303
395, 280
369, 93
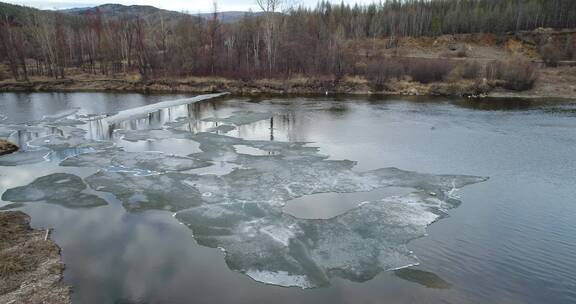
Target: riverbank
30, 266
557, 82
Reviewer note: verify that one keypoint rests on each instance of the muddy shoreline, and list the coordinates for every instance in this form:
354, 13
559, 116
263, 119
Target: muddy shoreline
7, 147
31, 269
274, 87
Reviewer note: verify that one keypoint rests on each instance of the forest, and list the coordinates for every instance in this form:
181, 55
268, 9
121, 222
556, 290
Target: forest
280, 41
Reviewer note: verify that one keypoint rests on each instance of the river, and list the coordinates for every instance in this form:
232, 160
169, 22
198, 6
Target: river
312, 199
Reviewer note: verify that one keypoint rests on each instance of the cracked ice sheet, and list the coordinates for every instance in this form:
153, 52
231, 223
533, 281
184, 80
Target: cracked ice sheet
119, 160
142, 111
270, 246
66, 190
24, 158
56, 142
5, 132
52, 148
241, 211
137, 193
279, 249
154, 134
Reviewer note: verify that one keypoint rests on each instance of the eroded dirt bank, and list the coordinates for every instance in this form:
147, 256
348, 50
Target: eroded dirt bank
30, 266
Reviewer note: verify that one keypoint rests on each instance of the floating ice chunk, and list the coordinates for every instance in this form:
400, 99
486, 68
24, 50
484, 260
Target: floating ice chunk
281, 278
244, 215
6, 132
272, 247
60, 155
141, 111
218, 168
65, 147
24, 158
241, 210
161, 192
243, 149
61, 189
329, 205
129, 161
215, 144
142, 135
57, 142
133, 171
215, 147
279, 234
242, 118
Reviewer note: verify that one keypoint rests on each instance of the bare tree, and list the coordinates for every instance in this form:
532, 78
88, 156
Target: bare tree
213, 36
269, 8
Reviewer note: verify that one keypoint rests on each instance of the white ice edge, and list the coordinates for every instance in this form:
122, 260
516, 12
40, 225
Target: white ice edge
140, 111
279, 278
404, 267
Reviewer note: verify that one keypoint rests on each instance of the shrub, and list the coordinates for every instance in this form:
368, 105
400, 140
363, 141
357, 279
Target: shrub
467, 70
428, 70
570, 49
515, 74
379, 72
4, 75
471, 70
550, 54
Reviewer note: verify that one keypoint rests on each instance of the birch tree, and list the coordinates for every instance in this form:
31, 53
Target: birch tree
269, 8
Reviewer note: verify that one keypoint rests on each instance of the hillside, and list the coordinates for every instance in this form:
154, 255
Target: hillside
117, 10
19, 12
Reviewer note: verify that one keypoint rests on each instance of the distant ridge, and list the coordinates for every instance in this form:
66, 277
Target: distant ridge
114, 10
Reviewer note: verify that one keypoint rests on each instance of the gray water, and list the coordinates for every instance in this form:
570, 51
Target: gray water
140, 227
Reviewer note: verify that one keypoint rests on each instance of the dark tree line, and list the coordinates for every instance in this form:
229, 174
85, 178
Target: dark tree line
296, 40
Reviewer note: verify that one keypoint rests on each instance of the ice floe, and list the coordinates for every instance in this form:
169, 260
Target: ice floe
140, 111
61, 189
232, 193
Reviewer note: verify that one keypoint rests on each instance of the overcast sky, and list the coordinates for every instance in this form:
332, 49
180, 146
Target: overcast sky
191, 6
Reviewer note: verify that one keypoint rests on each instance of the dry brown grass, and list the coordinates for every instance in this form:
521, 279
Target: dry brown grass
516, 74
355, 79
7, 147
205, 79
30, 267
